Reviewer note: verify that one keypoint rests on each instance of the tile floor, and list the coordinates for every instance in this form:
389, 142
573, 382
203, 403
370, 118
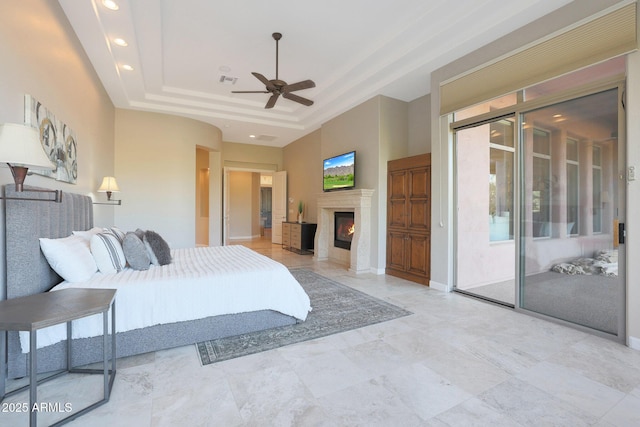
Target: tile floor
454, 362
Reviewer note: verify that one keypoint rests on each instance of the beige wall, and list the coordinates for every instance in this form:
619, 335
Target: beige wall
303, 163
359, 129
420, 126
42, 57
249, 156
155, 161
378, 131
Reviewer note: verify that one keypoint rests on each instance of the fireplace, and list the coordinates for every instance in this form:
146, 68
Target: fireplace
343, 229
359, 202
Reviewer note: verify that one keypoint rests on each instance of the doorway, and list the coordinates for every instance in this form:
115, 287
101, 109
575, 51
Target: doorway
250, 200
265, 207
202, 197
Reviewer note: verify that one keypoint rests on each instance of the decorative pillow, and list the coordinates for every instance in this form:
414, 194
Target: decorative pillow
140, 233
158, 249
135, 252
70, 257
116, 232
107, 252
86, 235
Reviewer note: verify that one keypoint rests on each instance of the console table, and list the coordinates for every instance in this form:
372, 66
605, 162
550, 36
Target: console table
39, 311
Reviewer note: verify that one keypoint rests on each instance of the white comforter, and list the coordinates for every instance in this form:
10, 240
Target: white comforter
200, 282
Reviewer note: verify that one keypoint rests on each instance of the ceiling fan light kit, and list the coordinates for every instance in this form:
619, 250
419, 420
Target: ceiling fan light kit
277, 87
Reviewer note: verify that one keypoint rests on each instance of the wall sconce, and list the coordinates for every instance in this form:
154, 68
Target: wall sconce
109, 186
20, 149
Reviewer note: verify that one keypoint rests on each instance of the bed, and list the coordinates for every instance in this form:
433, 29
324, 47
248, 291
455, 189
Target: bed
205, 293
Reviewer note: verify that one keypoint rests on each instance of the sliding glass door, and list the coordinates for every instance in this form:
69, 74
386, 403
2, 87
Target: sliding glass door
485, 255
570, 206
539, 201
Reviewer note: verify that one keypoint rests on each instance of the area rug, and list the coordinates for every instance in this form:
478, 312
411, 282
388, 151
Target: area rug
336, 308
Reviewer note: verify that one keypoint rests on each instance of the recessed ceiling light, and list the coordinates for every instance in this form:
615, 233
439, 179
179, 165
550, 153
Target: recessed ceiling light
557, 115
252, 136
110, 4
127, 67
120, 42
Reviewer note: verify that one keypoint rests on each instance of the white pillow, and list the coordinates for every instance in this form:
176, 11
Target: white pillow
88, 233
107, 253
70, 257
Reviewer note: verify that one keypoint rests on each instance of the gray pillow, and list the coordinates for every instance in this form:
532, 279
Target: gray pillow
135, 252
140, 233
158, 249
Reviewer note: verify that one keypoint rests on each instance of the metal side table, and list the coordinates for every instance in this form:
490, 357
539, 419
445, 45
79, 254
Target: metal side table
51, 308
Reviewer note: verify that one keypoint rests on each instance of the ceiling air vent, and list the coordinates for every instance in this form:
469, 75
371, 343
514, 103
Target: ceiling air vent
266, 138
227, 80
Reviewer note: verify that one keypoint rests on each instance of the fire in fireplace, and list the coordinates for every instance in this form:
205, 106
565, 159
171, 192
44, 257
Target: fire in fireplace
343, 230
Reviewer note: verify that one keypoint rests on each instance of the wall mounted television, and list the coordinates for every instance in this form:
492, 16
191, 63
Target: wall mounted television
339, 172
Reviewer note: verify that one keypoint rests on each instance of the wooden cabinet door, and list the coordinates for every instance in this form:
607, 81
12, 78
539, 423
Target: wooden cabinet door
418, 199
418, 254
409, 218
397, 199
396, 250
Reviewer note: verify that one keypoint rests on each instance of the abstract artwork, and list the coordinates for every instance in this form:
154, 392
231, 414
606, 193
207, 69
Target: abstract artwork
58, 141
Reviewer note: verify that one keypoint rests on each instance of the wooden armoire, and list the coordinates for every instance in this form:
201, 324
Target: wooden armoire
409, 218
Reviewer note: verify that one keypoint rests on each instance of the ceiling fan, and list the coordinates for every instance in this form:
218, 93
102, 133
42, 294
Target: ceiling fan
277, 87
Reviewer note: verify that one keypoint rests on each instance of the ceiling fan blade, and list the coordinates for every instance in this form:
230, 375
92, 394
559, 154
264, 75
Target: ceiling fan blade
250, 91
264, 81
305, 84
296, 98
272, 101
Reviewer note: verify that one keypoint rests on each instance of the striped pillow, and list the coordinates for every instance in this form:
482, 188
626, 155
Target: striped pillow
107, 252
116, 232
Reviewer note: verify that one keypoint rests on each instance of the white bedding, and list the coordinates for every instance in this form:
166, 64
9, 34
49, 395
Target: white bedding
200, 282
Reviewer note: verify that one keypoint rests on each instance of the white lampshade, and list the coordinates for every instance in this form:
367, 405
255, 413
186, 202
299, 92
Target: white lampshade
108, 185
20, 146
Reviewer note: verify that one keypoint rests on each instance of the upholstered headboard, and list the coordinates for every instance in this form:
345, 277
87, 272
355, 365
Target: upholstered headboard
25, 221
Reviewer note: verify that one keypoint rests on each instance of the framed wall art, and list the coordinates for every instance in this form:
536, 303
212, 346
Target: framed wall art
58, 141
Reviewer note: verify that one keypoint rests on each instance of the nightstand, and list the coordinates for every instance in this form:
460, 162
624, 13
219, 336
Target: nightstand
38, 311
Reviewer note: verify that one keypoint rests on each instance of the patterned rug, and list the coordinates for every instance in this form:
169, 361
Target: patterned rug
336, 308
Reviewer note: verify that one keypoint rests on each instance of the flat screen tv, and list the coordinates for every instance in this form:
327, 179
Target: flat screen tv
339, 172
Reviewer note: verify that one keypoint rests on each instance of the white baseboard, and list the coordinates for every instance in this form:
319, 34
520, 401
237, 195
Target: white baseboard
255, 236
439, 286
634, 343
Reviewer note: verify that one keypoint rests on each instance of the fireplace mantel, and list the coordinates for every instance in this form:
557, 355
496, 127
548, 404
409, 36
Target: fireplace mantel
358, 202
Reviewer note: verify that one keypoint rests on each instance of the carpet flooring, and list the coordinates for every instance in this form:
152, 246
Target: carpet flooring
588, 300
335, 308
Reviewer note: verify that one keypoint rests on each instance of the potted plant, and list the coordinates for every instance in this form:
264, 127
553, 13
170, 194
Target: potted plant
300, 209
